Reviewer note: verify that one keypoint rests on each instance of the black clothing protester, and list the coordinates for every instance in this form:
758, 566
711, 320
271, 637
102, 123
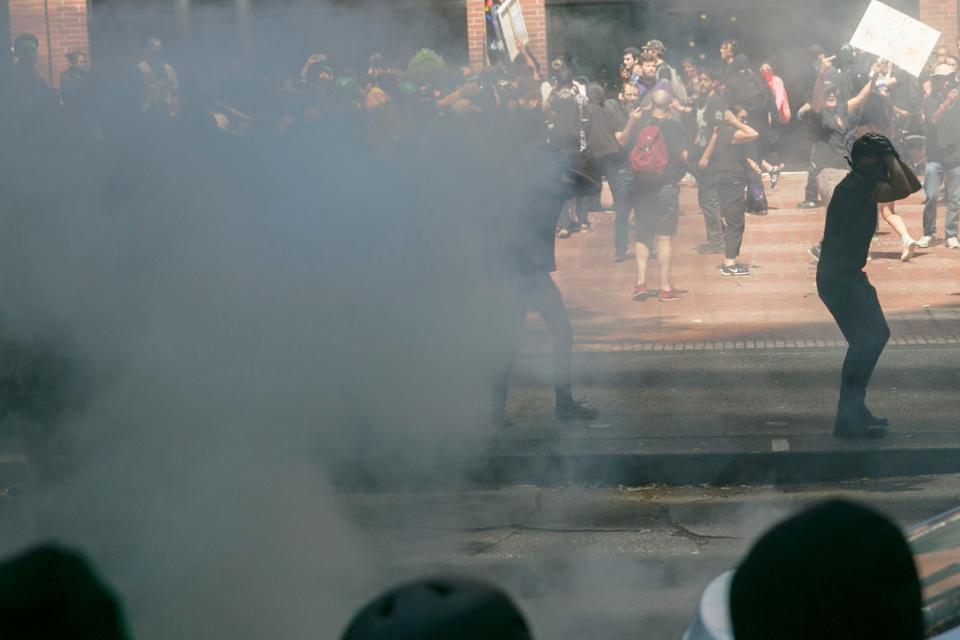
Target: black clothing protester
728, 176
847, 293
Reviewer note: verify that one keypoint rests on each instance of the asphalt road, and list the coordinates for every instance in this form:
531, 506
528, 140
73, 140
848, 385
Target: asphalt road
605, 564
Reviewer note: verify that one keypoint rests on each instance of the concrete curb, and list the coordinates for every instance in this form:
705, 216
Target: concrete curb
720, 469
651, 346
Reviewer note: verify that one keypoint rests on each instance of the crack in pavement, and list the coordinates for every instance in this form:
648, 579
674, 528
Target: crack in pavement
682, 531
537, 504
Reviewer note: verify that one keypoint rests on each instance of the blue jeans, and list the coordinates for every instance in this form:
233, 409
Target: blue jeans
932, 177
622, 184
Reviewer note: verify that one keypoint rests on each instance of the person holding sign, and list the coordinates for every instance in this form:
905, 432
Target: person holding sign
877, 175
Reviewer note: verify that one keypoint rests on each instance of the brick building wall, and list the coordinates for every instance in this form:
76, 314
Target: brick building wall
535, 17
64, 21
942, 16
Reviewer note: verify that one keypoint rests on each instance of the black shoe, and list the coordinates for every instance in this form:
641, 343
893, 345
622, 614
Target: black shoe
738, 270
570, 409
710, 247
619, 257
808, 204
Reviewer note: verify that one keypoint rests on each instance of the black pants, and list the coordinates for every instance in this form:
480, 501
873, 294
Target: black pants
852, 301
733, 205
810, 192
539, 291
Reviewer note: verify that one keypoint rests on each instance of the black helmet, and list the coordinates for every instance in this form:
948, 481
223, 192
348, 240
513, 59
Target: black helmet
441, 608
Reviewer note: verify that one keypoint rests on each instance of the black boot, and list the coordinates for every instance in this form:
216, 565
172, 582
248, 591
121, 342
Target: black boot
871, 420
570, 409
858, 423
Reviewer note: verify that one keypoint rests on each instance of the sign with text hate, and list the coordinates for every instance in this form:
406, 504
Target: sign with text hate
512, 26
893, 35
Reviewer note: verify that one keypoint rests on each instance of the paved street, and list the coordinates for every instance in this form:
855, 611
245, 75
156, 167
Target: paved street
609, 564
738, 381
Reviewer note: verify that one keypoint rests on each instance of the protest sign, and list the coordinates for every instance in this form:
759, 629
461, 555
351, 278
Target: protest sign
512, 26
893, 35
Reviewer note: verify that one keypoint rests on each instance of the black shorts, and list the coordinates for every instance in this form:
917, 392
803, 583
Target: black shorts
656, 212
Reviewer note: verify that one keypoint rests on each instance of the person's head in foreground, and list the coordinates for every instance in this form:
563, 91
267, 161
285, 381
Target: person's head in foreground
49, 593
837, 571
441, 608
868, 156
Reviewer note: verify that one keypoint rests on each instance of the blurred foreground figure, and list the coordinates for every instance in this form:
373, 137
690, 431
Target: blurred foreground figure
440, 609
877, 175
48, 593
542, 181
837, 571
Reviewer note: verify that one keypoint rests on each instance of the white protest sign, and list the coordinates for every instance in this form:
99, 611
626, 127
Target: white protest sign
893, 35
512, 26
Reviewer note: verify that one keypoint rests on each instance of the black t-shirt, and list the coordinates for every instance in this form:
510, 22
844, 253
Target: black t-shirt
830, 128
728, 158
943, 138
851, 222
709, 110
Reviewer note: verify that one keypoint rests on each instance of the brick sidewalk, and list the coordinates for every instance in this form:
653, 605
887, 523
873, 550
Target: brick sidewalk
777, 306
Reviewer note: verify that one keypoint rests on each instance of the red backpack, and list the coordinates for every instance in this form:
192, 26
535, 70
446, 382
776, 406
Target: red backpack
649, 157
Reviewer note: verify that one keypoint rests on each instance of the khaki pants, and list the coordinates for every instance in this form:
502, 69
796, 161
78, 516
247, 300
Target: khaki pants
827, 181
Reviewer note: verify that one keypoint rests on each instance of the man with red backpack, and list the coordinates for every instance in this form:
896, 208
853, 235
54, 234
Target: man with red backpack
654, 142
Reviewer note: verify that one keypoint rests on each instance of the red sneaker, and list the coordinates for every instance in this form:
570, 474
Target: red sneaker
640, 293
668, 296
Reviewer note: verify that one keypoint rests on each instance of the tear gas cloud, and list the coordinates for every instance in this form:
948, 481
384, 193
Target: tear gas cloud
239, 324
242, 324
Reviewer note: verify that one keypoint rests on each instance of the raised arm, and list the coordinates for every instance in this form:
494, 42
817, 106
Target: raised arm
744, 132
818, 92
901, 183
854, 103
623, 136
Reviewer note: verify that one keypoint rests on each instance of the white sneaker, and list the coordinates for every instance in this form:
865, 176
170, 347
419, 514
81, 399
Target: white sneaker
908, 248
924, 242
953, 243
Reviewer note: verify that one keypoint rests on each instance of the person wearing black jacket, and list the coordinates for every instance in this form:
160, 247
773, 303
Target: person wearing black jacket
877, 175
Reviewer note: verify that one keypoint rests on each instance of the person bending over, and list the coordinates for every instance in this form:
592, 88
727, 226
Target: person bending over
877, 175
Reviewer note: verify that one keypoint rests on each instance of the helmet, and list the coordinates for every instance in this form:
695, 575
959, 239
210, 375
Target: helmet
440, 608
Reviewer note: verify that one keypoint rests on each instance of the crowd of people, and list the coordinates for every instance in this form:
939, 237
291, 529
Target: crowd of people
719, 121
558, 136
